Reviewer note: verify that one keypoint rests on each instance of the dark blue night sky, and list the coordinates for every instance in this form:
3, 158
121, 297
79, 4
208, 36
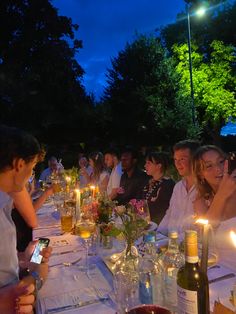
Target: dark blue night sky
105, 26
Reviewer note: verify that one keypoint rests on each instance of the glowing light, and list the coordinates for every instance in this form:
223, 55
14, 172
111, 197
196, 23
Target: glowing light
201, 11
233, 237
202, 221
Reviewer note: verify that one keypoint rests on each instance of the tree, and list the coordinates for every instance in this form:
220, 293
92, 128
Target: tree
214, 83
40, 78
218, 23
141, 96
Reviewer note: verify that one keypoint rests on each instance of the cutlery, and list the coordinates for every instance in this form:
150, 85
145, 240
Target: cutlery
230, 275
66, 252
67, 263
74, 306
213, 267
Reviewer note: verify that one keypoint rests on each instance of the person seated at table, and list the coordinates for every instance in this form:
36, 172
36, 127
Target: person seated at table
19, 153
85, 171
216, 197
180, 214
99, 175
159, 189
112, 162
22, 217
53, 167
133, 178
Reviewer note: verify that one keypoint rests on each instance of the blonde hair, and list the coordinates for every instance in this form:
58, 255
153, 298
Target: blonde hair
203, 187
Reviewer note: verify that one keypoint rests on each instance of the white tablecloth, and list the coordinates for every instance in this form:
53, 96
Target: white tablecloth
68, 285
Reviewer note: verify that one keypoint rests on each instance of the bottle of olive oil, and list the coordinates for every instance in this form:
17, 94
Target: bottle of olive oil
192, 283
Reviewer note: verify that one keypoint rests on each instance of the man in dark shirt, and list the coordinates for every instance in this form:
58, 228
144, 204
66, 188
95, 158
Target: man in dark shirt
132, 180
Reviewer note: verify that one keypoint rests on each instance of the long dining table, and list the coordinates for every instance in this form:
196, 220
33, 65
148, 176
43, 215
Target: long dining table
91, 292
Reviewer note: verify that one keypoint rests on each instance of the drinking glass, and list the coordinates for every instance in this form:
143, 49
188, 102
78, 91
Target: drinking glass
85, 228
66, 214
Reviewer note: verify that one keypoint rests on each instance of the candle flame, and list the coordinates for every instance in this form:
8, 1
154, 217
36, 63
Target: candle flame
202, 221
77, 190
92, 187
68, 179
233, 237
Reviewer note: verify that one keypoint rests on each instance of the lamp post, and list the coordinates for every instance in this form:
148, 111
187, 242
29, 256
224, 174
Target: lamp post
199, 12
190, 67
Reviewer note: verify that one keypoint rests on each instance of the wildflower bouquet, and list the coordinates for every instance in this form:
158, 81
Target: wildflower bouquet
134, 221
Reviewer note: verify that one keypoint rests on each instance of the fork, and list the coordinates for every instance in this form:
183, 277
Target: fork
67, 263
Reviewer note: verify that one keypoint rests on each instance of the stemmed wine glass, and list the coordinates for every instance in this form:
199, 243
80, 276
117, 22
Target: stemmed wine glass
85, 228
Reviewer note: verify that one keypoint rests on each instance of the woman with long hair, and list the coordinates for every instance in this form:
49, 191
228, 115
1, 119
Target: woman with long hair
159, 189
99, 175
216, 188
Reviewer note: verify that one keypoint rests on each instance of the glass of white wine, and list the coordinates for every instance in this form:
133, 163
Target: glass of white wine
85, 228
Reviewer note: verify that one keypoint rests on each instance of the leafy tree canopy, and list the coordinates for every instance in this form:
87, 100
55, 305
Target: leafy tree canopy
214, 82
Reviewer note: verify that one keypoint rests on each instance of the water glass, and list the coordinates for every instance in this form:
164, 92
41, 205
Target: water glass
66, 214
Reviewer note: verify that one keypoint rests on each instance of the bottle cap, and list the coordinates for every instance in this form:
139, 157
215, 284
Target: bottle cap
173, 234
149, 237
191, 248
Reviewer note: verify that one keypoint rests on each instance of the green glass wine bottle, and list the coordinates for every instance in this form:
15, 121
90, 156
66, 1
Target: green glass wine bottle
192, 283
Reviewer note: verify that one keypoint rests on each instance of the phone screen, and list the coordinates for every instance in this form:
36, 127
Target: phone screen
36, 257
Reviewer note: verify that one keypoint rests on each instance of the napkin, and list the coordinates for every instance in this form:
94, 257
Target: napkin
221, 309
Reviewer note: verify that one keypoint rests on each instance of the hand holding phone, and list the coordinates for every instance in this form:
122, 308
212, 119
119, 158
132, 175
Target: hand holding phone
232, 162
36, 257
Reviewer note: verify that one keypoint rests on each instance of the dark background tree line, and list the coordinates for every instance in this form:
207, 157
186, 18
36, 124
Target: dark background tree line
146, 101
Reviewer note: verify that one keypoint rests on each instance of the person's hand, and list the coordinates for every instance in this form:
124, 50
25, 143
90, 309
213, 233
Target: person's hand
25, 301
17, 298
50, 190
227, 185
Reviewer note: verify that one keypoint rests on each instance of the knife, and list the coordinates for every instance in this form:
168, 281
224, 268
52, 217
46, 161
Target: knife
74, 306
66, 252
230, 275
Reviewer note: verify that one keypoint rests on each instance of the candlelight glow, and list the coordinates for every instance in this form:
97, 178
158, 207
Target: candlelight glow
202, 221
68, 179
92, 187
233, 237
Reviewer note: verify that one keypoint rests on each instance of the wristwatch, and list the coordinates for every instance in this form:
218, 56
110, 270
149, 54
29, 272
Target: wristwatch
38, 280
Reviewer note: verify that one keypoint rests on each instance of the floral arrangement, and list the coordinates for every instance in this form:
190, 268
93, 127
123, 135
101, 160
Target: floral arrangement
71, 176
134, 221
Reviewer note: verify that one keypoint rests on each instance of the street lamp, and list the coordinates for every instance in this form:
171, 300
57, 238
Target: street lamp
200, 12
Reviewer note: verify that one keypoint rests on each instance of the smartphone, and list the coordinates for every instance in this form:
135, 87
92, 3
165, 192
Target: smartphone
36, 257
232, 162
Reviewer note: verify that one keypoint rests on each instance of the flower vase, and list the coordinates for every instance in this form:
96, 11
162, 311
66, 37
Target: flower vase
105, 241
126, 279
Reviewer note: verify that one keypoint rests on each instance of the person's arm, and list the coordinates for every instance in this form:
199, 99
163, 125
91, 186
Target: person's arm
24, 205
39, 202
104, 182
226, 189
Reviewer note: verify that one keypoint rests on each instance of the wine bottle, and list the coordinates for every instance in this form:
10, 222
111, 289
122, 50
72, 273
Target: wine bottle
192, 283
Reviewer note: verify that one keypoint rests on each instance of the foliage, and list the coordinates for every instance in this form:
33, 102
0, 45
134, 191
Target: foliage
40, 81
214, 82
73, 174
141, 92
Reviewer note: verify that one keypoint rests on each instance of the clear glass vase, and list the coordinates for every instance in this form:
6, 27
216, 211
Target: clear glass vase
126, 279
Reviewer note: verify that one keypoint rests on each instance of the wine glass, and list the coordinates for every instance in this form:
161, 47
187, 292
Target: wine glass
85, 228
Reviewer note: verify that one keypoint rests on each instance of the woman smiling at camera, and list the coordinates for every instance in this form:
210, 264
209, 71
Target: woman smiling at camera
216, 187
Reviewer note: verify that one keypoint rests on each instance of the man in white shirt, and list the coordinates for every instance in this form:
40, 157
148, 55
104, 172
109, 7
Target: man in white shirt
112, 161
180, 214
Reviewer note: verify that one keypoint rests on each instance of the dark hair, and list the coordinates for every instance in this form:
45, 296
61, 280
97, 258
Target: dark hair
15, 143
162, 158
112, 151
130, 150
192, 145
203, 186
98, 159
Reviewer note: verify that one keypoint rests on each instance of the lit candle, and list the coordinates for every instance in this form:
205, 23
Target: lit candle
77, 207
205, 238
92, 187
233, 237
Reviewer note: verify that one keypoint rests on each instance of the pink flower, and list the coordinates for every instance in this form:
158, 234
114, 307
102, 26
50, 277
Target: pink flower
120, 190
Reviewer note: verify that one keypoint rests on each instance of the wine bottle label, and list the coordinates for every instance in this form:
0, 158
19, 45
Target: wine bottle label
187, 301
